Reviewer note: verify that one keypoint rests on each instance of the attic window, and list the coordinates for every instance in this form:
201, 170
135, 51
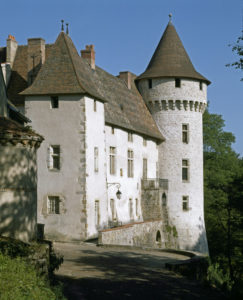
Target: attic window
200, 85
177, 82
150, 83
54, 102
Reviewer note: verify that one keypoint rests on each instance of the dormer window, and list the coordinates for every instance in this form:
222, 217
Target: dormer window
150, 83
54, 102
200, 85
177, 82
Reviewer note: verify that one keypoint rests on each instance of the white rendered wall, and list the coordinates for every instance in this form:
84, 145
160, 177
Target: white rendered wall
130, 187
95, 180
60, 126
171, 107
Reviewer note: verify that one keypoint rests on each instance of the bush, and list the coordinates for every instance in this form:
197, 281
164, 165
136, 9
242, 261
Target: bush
20, 281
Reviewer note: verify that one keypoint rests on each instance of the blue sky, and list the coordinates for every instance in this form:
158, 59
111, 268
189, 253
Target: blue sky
126, 32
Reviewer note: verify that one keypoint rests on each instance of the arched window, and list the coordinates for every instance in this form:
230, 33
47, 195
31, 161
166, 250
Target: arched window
164, 199
158, 237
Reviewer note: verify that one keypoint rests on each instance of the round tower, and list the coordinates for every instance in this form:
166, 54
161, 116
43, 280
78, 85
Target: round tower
176, 95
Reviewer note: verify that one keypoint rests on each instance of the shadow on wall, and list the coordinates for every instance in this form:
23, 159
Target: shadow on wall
18, 198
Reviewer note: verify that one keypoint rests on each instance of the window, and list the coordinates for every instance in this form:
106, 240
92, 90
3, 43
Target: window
95, 105
150, 83
130, 209
121, 172
112, 130
130, 137
145, 168
144, 142
53, 205
185, 203
54, 157
113, 211
130, 163
164, 199
200, 85
96, 160
185, 170
177, 82
185, 133
54, 102
112, 160
97, 212
137, 207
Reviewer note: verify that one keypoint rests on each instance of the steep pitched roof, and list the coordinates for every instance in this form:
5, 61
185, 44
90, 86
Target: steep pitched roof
64, 72
170, 59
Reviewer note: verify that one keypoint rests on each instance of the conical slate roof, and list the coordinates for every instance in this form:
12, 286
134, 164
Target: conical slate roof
170, 59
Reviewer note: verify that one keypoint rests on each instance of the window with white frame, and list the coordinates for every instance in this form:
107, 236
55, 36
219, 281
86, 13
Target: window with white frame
130, 209
112, 160
185, 203
113, 209
130, 137
130, 163
53, 204
54, 157
185, 169
185, 133
96, 159
97, 212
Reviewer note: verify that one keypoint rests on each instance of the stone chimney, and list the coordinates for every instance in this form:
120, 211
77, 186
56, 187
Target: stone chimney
12, 46
127, 77
89, 55
36, 57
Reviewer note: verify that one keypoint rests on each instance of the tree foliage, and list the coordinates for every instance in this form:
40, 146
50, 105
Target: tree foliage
223, 184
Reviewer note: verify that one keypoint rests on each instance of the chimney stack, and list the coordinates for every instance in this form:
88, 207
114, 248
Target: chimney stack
127, 77
36, 57
89, 55
12, 46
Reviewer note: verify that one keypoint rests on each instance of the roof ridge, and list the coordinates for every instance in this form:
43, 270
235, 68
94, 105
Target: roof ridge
75, 71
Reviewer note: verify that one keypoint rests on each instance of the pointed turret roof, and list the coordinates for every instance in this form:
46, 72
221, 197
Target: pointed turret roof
170, 59
64, 73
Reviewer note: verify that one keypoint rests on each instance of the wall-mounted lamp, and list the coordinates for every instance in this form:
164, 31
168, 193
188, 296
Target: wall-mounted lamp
118, 186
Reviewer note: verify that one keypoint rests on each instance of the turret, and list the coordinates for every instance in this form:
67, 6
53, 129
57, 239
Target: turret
176, 95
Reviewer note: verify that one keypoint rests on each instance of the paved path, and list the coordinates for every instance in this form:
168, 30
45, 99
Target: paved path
91, 272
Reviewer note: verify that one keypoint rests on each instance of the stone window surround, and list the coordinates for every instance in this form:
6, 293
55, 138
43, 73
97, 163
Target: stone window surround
185, 133
185, 170
54, 158
185, 203
130, 163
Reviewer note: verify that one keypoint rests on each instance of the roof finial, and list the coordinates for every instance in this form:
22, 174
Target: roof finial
67, 32
62, 28
170, 16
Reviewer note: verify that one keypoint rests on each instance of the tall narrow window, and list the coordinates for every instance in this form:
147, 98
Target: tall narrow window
112, 130
177, 82
97, 212
150, 83
130, 137
137, 207
185, 133
144, 142
185, 203
185, 169
145, 168
112, 160
95, 105
200, 85
113, 210
130, 163
96, 159
130, 209
54, 157
53, 205
54, 102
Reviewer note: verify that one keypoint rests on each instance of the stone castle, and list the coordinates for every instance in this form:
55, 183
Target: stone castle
122, 155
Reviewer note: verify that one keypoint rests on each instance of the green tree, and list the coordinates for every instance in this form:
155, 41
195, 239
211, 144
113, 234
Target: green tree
223, 184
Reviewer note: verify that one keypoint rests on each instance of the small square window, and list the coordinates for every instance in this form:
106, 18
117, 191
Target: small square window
150, 83
177, 82
185, 203
53, 205
54, 102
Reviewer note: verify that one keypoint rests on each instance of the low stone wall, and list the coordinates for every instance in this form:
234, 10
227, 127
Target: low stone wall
142, 234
